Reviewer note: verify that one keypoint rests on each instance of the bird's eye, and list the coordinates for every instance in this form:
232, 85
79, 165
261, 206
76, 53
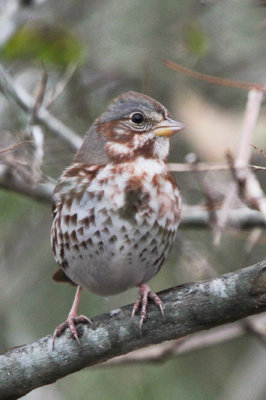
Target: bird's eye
137, 118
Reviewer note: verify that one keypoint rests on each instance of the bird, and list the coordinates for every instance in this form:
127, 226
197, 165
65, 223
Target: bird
117, 207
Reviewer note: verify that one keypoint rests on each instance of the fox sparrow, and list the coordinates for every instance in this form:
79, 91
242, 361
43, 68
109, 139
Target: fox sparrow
117, 207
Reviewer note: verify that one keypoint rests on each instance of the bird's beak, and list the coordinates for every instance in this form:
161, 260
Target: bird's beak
168, 127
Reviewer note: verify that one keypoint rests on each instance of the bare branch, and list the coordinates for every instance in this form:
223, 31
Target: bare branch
175, 167
10, 180
14, 146
261, 151
242, 218
198, 341
213, 79
254, 101
192, 217
60, 87
214, 302
38, 155
22, 98
206, 167
40, 96
244, 177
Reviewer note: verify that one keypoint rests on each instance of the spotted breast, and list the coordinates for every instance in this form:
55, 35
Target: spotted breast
114, 225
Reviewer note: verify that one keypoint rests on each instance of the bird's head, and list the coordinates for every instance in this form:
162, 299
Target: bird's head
133, 125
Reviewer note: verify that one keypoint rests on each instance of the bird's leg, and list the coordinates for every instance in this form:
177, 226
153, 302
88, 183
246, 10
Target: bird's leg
72, 319
142, 303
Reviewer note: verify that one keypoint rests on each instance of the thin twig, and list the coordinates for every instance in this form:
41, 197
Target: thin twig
61, 85
259, 150
22, 98
206, 167
242, 218
243, 174
214, 79
37, 159
193, 217
40, 96
14, 146
254, 101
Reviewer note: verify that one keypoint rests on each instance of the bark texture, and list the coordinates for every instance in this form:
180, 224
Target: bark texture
188, 308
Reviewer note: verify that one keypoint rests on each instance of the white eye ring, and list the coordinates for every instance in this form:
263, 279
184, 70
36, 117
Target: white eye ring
137, 118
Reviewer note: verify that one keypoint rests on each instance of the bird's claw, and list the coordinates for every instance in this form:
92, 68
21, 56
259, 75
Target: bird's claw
70, 323
142, 304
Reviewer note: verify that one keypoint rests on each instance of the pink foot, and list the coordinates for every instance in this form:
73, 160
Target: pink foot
70, 323
72, 320
142, 303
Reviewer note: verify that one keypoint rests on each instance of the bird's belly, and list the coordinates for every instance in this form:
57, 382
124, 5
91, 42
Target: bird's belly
116, 236
119, 257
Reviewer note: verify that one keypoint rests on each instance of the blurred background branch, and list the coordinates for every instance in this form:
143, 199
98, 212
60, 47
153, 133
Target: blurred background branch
245, 181
42, 115
167, 350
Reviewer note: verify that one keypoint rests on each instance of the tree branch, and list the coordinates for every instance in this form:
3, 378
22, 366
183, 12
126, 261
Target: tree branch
242, 218
207, 167
244, 179
11, 180
23, 99
192, 217
188, 308
201, 340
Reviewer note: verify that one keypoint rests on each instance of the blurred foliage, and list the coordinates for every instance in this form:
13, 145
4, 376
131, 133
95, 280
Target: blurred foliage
44, 42
196, 40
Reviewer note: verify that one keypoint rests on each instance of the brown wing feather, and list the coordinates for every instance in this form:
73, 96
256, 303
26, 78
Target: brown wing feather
60, 276
72, 176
